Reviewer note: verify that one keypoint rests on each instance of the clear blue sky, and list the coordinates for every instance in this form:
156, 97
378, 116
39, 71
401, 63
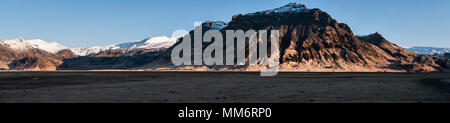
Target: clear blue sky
82, 23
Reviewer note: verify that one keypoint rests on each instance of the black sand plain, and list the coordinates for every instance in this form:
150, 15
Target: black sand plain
222, 87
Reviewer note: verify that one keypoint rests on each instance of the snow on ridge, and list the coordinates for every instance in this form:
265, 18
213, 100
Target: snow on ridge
23, 44
149, 43
291, 7
154, 42
216, 25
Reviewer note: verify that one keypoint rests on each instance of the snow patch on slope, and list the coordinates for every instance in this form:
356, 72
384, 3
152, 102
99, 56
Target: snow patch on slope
23, 44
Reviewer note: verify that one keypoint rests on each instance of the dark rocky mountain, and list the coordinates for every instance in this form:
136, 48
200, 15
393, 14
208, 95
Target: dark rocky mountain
311, 40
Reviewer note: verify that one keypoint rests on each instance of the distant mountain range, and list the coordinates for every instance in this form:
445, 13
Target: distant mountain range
53, 47
429, 50
149, 43
310, 41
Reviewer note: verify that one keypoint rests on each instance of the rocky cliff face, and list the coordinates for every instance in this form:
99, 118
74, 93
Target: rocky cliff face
31, 59
311, 40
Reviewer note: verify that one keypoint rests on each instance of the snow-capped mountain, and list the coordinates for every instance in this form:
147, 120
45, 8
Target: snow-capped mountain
53, 47
154, 42
23, 44
429, 50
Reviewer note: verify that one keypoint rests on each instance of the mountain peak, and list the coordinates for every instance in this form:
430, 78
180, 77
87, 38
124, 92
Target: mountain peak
376, 34
373, 35
293, 6
21, 39
375, 38
288, 8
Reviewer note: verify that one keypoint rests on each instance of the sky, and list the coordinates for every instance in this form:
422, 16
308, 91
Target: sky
85, 23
